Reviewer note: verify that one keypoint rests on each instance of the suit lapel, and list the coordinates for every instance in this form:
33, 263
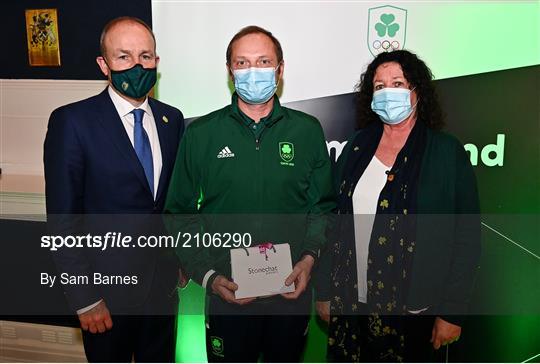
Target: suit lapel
114, 128
162, 128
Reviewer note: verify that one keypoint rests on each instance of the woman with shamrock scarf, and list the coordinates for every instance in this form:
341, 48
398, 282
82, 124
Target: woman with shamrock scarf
407, 237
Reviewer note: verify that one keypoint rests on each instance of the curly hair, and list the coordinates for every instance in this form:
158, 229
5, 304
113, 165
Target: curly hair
417, 74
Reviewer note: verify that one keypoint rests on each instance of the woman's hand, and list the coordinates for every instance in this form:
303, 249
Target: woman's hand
444, 333
323, 309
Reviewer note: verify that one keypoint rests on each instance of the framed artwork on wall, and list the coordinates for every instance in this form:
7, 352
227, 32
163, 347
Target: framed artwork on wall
42, 37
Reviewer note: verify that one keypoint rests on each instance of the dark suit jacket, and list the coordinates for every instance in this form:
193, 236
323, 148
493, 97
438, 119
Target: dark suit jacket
91, 169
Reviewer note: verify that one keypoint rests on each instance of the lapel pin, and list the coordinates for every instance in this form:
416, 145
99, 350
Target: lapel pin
164, 118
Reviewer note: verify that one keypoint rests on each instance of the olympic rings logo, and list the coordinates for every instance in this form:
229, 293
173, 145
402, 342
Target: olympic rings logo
386, 45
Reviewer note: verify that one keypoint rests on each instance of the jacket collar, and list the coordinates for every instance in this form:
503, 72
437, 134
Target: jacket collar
275, 115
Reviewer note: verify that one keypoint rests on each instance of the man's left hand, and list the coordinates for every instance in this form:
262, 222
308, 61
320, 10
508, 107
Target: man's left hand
444, 333
300, 276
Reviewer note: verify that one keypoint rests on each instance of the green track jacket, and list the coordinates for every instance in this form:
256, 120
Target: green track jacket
277, 186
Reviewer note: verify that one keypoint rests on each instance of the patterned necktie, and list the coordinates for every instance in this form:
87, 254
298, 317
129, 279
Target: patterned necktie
142, 147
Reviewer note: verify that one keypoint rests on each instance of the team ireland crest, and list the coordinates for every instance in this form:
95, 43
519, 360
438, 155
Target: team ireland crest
386, 29
286, 151
217, 345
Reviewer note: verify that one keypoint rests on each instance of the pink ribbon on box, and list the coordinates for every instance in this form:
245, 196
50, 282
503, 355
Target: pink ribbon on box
264, 247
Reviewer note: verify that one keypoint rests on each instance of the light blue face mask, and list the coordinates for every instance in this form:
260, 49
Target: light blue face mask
393, 105
255, 85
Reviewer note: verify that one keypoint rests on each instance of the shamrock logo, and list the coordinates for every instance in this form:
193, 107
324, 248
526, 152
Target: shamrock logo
286, 149
217, 344
387, 25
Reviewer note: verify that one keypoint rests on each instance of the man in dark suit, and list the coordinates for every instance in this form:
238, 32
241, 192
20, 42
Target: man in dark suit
114, 154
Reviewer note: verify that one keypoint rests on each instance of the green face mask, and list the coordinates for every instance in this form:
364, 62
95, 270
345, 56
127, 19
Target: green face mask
134, 82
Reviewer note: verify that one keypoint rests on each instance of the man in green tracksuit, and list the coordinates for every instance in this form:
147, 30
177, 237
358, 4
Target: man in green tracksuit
254, 157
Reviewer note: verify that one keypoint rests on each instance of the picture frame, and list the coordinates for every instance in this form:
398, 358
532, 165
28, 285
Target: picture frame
42, 37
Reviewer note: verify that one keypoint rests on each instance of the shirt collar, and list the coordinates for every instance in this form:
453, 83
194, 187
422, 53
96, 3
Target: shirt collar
124, 107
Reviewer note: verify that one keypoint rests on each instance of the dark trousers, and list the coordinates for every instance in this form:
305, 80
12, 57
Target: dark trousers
273, 330
145, 332
138, 338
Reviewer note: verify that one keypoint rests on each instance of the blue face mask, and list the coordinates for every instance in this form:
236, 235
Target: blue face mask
393, 105
255, 85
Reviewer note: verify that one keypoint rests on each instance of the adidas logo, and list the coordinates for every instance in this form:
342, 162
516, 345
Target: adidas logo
225, 153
